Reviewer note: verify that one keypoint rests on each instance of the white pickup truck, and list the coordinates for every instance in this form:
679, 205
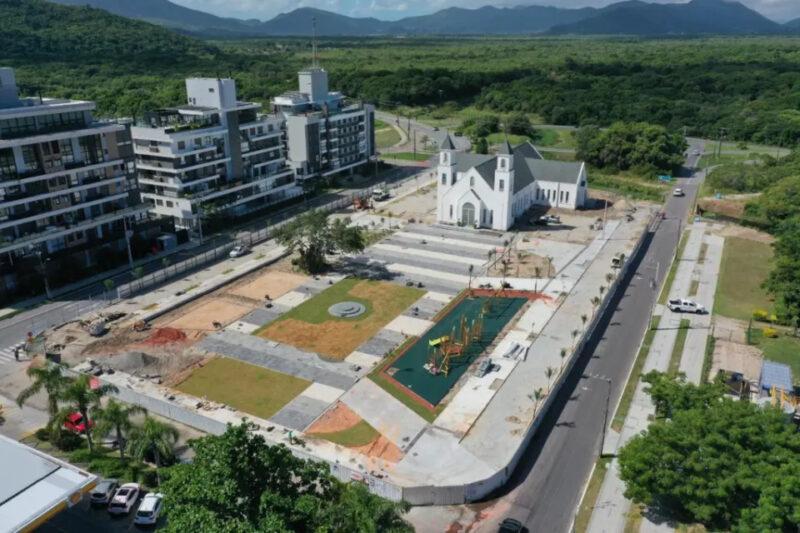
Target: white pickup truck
679, 305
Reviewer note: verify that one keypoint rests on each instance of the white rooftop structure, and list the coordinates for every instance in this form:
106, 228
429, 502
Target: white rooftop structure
35, 486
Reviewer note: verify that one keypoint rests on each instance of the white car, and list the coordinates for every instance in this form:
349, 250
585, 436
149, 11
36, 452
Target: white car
681, 305
124, 499
678, 192
149, 509
238, 251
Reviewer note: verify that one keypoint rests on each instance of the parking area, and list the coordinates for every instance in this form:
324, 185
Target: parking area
93, 519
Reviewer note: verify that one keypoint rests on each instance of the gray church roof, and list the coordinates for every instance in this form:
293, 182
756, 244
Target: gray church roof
528, 167
447, 143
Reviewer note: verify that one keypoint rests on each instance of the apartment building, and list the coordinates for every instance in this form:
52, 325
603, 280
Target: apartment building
215, 155
69, 201
326, 134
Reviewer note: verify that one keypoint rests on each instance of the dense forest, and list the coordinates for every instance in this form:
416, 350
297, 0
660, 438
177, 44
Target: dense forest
746, 88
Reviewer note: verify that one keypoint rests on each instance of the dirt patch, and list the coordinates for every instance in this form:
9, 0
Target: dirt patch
735, 230
729, 207
163, 336
521, 264
735, 357
419, 206
381, 448
338, 418
203, 316
274, 284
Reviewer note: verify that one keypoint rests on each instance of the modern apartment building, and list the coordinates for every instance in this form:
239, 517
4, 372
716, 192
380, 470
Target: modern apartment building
213, 155
69, 201
326, 134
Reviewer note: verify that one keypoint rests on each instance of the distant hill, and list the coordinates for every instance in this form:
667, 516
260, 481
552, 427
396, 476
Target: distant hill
697, 17
35, 30
793, 24
632, 17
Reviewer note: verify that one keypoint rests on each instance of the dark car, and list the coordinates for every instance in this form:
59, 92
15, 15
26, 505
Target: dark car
104, 491
509, 525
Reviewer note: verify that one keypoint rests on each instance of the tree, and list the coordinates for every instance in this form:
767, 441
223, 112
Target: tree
549, 373
784, 279
314, 236
480, 145
236, 482
638, 145
81, 397
563, 355
519, 124
595, 302
574, 334
470, 270
725, 463
50, 379
537, 396
153, 438
584, 319
116, 417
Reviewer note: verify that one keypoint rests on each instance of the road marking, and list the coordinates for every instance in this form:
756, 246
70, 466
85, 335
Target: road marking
7, 355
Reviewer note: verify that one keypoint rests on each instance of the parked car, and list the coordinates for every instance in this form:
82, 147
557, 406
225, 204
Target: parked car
678, 192
103, 491
544, 220
239, 251
149, 509
509, 525
75, 423
124, 499
681, 305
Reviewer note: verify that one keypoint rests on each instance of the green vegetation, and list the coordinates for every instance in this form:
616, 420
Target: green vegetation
237, 482
622, 184
406, 156
673, 269
784, 348
315, 310
314, 236
360, 434
677, 348
636, 372
249, 388
640, 146
733, 175
386, 137
709, 459
745, 266
590, 496
708, 358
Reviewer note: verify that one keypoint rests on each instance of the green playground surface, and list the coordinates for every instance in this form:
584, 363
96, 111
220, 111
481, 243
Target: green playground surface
409, 368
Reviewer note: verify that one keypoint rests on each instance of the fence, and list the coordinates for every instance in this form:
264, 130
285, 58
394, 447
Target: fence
250, 238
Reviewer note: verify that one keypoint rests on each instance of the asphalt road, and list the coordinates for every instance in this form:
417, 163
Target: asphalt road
92, 296
462, 143
546, 488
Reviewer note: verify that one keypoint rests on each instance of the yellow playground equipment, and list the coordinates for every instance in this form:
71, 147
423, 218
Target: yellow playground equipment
781, 397
443, 349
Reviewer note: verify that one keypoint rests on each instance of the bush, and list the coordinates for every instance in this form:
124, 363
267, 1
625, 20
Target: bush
42, 434
760, 315
770, 333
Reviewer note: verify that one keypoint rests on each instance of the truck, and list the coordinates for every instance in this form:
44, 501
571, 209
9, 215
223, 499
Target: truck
682, 305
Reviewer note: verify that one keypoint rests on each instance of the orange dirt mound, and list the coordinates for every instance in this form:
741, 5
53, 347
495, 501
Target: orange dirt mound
165, 336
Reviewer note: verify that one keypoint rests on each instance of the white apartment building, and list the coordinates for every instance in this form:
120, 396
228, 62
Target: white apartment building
213, 155
69, 201
326, 135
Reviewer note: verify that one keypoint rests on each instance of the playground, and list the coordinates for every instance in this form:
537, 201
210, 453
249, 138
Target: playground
429, 368
311, 326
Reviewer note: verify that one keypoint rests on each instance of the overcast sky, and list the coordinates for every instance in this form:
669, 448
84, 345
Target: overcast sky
780, 10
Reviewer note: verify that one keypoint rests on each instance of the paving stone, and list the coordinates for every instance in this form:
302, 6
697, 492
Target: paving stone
300, 412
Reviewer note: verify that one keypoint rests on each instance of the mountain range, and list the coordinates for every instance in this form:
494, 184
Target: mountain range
632, 17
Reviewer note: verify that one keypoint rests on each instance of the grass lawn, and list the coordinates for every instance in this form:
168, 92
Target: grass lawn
497, 138
249, 388
628, 186
379, 124
407, 156
557, 156
677, 348
310, 327
673, 269
386, 137
783, 349
592, 491
630, 387
555, 138
745, 266
359, 435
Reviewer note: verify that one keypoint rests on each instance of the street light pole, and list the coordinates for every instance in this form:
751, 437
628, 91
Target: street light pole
44, 275
128, 241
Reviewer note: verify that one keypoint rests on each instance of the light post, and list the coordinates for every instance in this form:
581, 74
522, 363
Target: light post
43, 266
128, 241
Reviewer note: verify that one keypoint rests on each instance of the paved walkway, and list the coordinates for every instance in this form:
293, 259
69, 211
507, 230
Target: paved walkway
611, 507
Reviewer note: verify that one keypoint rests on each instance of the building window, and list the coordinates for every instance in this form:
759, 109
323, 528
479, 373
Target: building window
444, 179
502, 185
472, 181
451, 211
567, 197
502, 163
211, 89
181, 145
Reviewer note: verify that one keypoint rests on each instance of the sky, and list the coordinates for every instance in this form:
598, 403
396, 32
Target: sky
780, 10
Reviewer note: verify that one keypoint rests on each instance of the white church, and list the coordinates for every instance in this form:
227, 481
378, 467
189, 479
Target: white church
491, 191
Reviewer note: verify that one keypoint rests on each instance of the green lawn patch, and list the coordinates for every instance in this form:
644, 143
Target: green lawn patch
677, 348
630, 387
783, 349
406, 156
694, 287
708, 358
745, 266
249, 388
592, 492
379, 124
359, 435
386, 137
637, 189
497, 138
673, 269
557, 156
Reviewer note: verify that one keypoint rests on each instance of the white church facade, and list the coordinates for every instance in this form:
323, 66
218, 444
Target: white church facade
491, 191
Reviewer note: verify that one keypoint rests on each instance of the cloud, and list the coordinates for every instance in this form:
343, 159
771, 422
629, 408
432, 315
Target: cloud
780, 10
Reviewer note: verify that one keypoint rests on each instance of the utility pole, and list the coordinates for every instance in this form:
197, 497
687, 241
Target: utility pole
415, 144
42, 264
128, 241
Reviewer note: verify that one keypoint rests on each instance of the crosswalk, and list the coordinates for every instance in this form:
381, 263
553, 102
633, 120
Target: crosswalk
7, 355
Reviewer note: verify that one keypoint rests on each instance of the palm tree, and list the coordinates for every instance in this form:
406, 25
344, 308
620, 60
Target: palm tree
152, 437
537, 270
601, 289
469, 270
82, 398
116, 417
48, 378
549, 372
584, 319
575, 333
563, 355
609, 278
537, 396
595, 303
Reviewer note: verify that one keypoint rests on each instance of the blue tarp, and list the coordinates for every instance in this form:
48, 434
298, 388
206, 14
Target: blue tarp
776, 375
